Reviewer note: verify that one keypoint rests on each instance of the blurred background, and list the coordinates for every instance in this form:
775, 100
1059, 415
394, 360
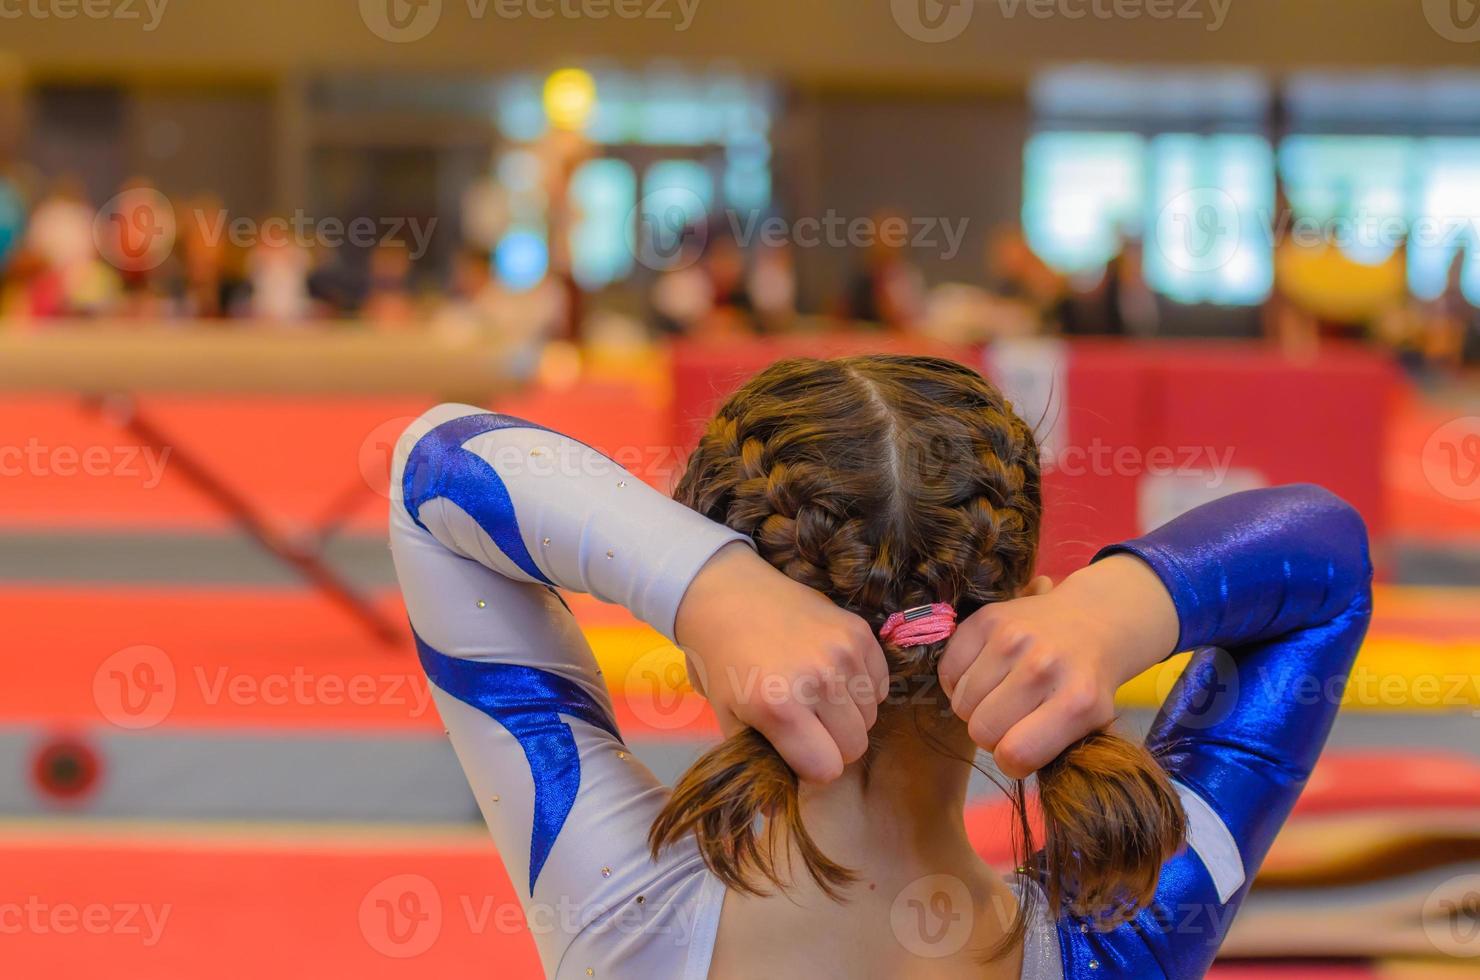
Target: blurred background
1206, 245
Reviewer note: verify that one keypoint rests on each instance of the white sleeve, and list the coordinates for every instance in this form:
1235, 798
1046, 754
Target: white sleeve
489, 514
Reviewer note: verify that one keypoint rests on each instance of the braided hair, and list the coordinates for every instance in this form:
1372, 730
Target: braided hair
887, 482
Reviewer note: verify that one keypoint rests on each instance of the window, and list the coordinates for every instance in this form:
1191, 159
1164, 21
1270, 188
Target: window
1355, 185
1449, 178
1201, 204
1083, 192
604, 193
1178, 160
1208, 240
1174, 159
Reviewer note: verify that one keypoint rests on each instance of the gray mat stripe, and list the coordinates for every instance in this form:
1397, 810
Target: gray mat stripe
406, 778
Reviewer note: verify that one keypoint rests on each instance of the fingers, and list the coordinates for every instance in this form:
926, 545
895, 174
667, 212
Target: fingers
865, 706
963, 648
859, 672
993, 663
984, 630
823, 722
805, 743
1058, 723
1011, 701
845, 724
842, 697
877, 668
1029, 745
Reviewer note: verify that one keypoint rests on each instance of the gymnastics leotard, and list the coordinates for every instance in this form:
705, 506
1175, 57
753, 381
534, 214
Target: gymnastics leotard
491, 515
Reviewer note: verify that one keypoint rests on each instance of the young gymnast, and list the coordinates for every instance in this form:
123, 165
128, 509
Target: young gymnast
836, 520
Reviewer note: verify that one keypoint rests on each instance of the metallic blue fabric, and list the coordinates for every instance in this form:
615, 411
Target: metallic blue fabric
439, 466
1280, 581
528, 702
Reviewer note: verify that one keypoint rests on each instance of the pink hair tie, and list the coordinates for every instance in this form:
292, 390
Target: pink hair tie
919, 626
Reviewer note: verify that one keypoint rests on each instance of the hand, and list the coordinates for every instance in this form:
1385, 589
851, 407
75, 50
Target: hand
783, 659
1033, 675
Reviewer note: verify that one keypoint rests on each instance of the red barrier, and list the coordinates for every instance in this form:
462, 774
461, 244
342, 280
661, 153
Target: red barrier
1153, 430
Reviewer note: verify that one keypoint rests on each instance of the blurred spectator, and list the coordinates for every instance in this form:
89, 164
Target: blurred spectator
1438, 334
1454, 334
731, 310
64, 260
206, 285
1020, 296
1015, 272
1120, 304
889, 289
61, 229
472, 301
481, 307
336, 285
705, 292
63, 274
773, 288
135, 237
682, 295
388, 301
277, 271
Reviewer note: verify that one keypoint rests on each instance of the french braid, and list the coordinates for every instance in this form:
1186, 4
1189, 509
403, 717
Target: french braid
888, 482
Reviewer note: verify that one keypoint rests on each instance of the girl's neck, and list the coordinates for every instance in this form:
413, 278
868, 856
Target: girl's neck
898, 822
899, 812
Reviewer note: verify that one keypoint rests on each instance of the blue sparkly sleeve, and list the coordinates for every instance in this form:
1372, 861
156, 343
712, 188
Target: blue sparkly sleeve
1273, 592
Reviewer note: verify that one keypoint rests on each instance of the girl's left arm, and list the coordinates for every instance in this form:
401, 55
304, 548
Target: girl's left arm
1273, 589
